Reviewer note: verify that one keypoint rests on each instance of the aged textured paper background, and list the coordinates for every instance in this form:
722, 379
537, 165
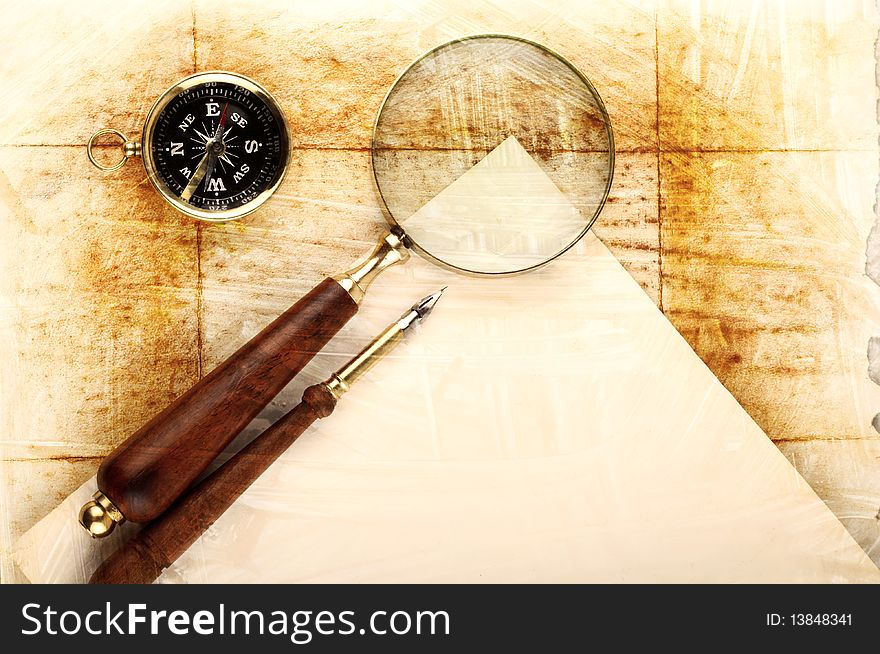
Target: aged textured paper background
545, 427
743, 196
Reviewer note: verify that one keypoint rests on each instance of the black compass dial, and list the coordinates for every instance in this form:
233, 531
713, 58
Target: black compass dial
218, 146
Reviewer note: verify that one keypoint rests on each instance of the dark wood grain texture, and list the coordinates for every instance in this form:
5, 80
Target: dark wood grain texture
147, 472
143, 558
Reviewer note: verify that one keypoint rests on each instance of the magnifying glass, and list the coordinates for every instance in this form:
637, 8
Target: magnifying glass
454, 106
451, 109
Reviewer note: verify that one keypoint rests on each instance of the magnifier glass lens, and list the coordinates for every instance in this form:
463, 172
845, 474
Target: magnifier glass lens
458, 104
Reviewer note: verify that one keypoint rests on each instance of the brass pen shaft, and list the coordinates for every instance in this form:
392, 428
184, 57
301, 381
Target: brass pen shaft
340, 381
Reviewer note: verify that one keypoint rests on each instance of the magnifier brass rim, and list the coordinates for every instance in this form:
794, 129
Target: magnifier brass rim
150, 125
409, 241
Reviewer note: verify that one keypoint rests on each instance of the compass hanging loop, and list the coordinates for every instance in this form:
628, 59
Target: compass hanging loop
129, 149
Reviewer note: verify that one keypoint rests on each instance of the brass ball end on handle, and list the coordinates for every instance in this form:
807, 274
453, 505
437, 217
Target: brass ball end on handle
99, 516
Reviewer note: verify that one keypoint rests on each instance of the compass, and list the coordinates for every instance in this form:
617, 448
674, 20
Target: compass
214, 145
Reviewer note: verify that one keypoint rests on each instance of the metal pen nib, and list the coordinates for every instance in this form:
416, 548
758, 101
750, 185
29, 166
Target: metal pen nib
342, 379
420, 310
424, 306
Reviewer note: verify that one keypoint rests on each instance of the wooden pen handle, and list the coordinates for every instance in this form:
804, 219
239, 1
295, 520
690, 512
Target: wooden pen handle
143, 558
146, 473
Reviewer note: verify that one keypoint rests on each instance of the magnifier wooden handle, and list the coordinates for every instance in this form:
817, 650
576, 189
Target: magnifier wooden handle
143, 558
147, 472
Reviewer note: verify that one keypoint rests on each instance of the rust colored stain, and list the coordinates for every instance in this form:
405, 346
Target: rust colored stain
762, 276
327, 93
766, 78
105, 286
762, 237
139, 281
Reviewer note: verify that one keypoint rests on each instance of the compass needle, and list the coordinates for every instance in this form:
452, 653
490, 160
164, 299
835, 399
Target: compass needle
195, 180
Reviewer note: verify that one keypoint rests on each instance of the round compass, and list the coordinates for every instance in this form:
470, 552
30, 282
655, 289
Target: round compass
214, 145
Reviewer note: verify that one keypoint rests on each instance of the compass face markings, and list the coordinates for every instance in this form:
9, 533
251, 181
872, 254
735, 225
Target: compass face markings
248, 153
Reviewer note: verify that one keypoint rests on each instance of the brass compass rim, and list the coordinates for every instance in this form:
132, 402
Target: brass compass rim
153, 117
